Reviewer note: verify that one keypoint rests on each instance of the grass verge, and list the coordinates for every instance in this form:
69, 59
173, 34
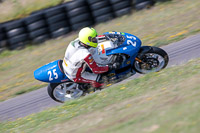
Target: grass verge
161, 25
167, 101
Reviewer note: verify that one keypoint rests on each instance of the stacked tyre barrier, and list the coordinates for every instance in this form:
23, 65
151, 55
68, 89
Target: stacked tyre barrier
60, 20
79, 14
101, 10
121, 7
141, 4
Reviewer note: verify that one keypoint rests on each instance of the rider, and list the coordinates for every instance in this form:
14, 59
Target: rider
78, 57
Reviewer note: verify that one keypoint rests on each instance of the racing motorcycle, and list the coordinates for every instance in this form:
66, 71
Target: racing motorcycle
118, 46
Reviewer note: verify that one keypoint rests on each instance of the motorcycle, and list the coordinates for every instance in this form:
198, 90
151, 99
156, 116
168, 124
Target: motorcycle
118, 46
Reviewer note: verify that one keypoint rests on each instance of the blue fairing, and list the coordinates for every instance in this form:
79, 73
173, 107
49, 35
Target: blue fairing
130, 46
51, 73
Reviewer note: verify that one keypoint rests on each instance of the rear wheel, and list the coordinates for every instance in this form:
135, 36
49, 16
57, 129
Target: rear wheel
62, 92
152, 60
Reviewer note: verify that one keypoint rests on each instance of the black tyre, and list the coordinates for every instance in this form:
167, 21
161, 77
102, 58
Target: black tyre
41, 39
54, 11
36, 25
15, 32
50, 90
14, 25
80, 18
162, 0
33, 18
56, 18
17, 46
143, 5
75, 4
17, 39
122, 12
39, 32
121, 5
57, 26
93, 1
17, 42
1, 28
2, 36
77, 11
3, 44
115, 1
60, 32
99, 5
140, 1
104, 18
58, 92
101, 11
81, 25
152, 60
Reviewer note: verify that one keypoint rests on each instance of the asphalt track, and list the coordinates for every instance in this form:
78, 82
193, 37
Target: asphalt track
38, 100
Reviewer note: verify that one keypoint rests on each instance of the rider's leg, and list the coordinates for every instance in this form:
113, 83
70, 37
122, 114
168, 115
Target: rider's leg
87, 77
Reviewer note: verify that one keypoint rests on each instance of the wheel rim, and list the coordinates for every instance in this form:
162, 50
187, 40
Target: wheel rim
151, 63
66, 91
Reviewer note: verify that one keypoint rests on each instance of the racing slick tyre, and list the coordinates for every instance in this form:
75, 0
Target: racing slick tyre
150, 59
50, 90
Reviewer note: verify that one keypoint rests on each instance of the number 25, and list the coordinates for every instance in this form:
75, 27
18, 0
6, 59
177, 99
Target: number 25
54, 73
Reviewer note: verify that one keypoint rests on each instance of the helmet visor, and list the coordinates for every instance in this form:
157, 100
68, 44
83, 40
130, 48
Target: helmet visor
92, 39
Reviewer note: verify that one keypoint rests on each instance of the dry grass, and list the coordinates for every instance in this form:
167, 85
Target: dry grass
167, 101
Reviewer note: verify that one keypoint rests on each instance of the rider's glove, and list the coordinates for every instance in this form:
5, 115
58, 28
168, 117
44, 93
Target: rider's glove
114, 66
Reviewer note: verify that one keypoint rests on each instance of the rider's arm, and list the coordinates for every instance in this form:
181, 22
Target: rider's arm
93, 65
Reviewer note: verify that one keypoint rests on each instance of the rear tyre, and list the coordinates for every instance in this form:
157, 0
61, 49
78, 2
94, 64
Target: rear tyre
152, 60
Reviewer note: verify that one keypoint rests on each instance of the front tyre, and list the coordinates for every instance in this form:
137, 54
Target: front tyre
153, 60
62, 92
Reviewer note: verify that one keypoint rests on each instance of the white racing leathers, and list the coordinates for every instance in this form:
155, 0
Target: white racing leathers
76, 59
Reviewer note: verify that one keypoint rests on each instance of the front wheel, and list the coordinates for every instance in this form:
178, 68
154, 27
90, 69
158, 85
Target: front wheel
152, 60
62, 92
